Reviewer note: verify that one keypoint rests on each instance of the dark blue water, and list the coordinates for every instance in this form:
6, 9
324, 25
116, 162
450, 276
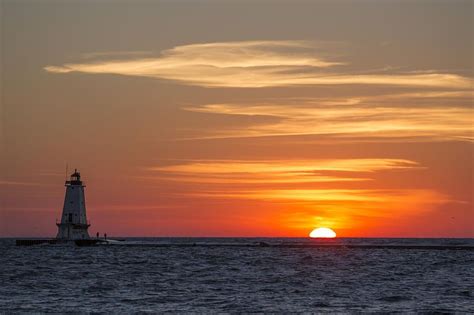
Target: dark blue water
112, 279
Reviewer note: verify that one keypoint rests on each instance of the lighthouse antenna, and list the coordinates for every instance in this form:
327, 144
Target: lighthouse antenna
66, 172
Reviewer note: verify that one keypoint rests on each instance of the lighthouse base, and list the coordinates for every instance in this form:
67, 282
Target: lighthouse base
71, 231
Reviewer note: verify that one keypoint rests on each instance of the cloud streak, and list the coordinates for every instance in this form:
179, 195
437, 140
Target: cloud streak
274, 172
369, 118
287, 185
287, 166
254, 64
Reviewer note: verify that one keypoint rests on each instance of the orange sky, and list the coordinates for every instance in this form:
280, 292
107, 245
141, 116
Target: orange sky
231, 119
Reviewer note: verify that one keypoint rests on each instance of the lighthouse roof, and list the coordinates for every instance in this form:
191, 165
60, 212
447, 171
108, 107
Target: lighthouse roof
76, 174
75, 178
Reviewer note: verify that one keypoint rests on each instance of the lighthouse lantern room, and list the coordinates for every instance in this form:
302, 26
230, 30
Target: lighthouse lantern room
74, 224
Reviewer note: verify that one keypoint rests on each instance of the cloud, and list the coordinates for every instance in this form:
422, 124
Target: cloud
354, 209
334, 195
286, 186
243, 166
254, 64
276, 172
18, 183
369, 117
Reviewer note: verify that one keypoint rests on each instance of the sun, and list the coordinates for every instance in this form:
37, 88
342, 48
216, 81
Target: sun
322, 232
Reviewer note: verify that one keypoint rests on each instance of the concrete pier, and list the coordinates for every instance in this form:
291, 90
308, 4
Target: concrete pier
262, 245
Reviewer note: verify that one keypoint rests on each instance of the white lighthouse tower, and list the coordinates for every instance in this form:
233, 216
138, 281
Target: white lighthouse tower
74, 223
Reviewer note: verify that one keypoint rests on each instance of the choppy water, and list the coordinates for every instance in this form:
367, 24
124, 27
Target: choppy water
119, 279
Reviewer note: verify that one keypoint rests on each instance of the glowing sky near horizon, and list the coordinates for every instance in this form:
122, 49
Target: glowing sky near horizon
232, 119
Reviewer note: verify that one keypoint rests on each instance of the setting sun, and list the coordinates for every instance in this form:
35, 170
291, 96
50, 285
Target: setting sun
322, 233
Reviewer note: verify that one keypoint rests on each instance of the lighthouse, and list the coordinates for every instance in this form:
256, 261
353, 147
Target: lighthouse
73, 224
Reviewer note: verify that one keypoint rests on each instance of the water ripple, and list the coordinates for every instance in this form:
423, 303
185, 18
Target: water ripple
226, 279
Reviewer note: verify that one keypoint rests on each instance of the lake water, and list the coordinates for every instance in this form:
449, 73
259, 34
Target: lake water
124, 279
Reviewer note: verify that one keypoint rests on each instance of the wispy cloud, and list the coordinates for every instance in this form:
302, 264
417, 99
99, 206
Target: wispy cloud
360, 209
353, 117
243, 166
332, 195
254, 64
272, 172
18, 183
288, 186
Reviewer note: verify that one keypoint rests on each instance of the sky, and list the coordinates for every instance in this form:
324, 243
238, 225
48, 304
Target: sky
239, 118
